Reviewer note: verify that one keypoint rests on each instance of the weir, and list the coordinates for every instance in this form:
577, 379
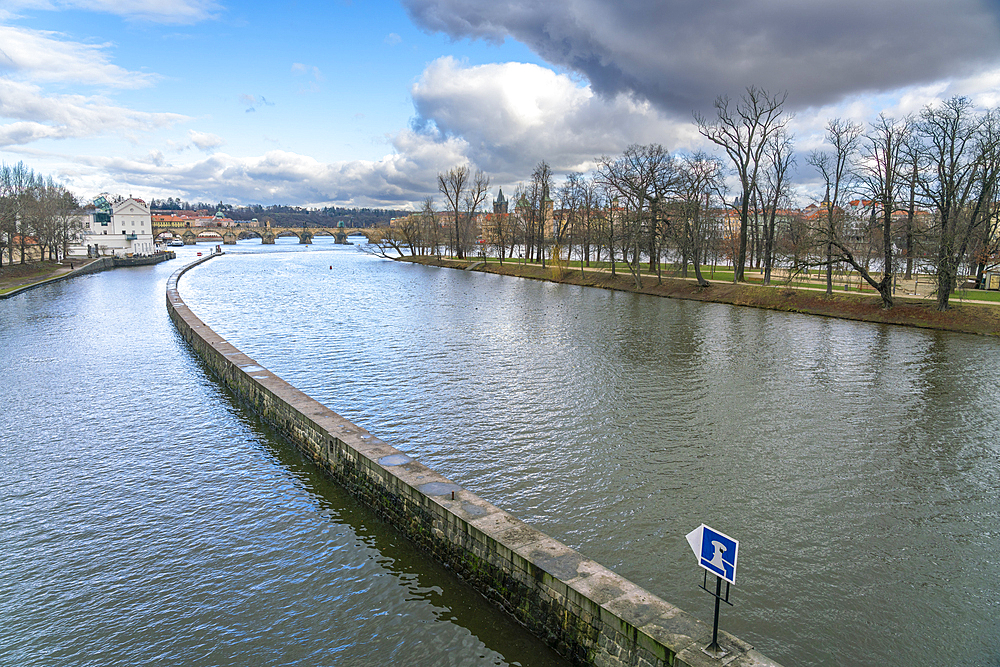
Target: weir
585, 611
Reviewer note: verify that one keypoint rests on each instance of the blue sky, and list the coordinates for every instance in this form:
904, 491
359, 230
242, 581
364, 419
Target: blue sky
362, 103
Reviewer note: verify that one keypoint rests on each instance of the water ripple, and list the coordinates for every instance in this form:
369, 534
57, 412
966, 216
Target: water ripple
857, 463
148, 520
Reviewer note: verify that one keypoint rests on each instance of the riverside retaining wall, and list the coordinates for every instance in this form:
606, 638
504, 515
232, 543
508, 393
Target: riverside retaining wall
583, 610
101, 264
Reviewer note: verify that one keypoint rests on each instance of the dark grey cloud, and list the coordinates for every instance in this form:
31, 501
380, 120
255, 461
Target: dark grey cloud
682, 54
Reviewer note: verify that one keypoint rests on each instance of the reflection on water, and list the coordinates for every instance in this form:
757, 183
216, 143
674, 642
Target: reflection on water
147, 520
856, 463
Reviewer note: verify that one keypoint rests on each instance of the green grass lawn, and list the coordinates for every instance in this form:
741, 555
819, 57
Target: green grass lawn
724, 273
976, 295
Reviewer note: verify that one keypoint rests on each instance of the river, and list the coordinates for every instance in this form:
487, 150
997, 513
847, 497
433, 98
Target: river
856, 463
149, 520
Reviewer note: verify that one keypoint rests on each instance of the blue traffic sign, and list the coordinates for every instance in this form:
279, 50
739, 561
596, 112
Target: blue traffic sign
716, 552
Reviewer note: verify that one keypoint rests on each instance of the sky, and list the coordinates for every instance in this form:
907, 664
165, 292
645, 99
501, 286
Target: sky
363, 102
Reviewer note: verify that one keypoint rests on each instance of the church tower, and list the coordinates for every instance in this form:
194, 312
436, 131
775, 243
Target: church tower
500, 204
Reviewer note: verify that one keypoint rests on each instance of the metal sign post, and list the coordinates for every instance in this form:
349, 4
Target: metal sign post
716, 553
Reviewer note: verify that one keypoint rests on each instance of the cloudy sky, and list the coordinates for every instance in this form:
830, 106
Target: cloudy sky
363, 102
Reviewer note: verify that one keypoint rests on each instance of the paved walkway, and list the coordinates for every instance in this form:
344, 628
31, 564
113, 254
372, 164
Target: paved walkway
10, 283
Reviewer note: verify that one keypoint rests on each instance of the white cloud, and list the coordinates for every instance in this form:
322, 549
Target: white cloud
395, 181
39, 116
205, 141
501, 118
513, 115
43, 57
158, 11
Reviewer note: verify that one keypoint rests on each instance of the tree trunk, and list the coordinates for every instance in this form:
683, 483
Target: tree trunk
829, 269
741, 258
697, 267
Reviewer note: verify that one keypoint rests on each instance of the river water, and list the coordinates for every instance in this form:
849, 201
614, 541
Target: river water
857, 464
148, 520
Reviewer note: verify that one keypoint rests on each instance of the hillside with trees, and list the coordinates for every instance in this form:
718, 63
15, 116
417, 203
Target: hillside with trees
288, 216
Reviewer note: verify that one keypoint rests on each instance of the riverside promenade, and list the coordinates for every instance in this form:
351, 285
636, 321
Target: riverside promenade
18, 278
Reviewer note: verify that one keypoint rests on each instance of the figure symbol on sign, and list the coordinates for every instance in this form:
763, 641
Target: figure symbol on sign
716, 561
716, 551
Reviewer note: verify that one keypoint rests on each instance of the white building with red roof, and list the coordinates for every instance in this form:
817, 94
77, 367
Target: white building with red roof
121, 228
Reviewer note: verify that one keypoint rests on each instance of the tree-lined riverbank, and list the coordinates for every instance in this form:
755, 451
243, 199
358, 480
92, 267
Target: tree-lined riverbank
867, 307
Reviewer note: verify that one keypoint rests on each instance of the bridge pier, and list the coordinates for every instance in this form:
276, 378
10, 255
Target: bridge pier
230, 236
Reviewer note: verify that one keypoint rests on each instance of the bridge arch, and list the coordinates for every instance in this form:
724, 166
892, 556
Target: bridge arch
267, 235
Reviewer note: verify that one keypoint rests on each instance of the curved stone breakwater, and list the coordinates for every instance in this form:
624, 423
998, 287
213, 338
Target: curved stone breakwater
585, 611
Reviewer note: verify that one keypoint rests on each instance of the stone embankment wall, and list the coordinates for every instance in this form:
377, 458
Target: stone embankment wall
101, 264
161, 256
585, 611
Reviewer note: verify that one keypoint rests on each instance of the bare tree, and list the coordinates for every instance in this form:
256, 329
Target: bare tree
985, 249
962, 150
700, 177
572, 197
452, 185
430, 230
641, 179
742, 131
18, 199
498, 233
474, 197
795, 241
8, 217
408, 231
910, 161
772, 190
539, 210
388, 238
883, 175
836, 168
56, 222
880, 175
591, 213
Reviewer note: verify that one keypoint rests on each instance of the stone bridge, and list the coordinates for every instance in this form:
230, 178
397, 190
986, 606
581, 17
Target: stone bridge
267, 235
